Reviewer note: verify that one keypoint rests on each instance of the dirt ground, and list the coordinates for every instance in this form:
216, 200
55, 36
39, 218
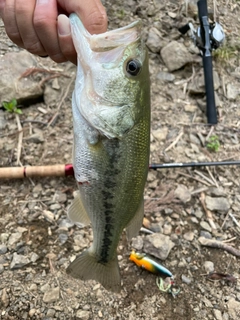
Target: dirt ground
33, 219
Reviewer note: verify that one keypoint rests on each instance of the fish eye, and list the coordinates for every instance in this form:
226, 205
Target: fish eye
133, 67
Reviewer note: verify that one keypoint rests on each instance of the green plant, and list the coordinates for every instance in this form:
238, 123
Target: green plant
11, 106
225, 53
213, 143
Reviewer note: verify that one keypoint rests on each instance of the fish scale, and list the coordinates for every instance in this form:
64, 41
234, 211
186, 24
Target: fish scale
111, 124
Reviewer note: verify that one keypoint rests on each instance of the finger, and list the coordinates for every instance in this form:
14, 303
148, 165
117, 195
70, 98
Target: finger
65, 39
24, 16
10, 22
2, 5
91, 12
45, 23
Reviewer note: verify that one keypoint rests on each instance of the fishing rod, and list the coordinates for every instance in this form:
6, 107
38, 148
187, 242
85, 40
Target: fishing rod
207, 37
63, 170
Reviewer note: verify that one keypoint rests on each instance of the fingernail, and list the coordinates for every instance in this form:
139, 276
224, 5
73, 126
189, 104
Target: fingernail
42, 1
63, 25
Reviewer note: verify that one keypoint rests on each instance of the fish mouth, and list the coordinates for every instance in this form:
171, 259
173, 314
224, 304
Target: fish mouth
116, 38
105, 41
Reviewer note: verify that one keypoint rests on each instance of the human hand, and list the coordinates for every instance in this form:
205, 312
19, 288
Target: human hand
36, 25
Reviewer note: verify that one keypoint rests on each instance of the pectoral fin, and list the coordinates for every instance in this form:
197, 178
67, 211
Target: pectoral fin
136, 223
77, 212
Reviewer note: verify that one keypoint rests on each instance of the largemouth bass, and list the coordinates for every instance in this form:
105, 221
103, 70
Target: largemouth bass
111, 124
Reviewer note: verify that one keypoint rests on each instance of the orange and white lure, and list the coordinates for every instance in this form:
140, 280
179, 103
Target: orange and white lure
149, 264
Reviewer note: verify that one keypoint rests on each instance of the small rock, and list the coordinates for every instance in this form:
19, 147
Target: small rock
34, 257
190, 108
83, 314
167, 229
55, 84
80, 241
218, 101
32, 312
205, 226
14, 238
216, 80
225, 316
137, 243
197, 85
158, 245
232, 91
51, 313
21, 229
1, 268
49, 215
217, 204
175, 55
3, 248
33, 287
217, 314
3, 122
154, 40
51, 95
234, 308
182, 193
60, 197
207, 302
36, 137
186, 279
45, 287
160, 135
66, 223
37, 188
19, 261
205, 234
165, 76
189, 236
63, 237
198, 213
4, 297
4, 237
209, 266
51, 295
55, 206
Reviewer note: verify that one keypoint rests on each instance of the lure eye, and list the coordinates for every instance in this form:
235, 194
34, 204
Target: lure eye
133, 67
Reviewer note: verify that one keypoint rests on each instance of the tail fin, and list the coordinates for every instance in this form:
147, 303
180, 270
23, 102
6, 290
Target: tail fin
86, 267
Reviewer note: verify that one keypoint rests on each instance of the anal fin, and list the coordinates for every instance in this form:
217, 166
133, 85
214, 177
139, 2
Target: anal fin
135, 224
77, 212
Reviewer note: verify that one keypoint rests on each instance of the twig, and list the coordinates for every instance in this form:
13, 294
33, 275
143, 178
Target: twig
20, 137
197, 179
229, 240
203, 176
34, 121
60, 103
225, 219
219, 245
208, 212
212, 177
209, 133
199, 190
174, 142
214, 10
234, 219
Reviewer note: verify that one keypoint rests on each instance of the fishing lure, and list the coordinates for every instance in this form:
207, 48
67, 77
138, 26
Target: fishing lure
149, 264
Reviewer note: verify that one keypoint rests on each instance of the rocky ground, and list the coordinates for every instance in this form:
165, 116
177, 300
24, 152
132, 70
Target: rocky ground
186, 208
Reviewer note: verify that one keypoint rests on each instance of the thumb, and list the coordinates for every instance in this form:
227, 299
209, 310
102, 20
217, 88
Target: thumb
91, 12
